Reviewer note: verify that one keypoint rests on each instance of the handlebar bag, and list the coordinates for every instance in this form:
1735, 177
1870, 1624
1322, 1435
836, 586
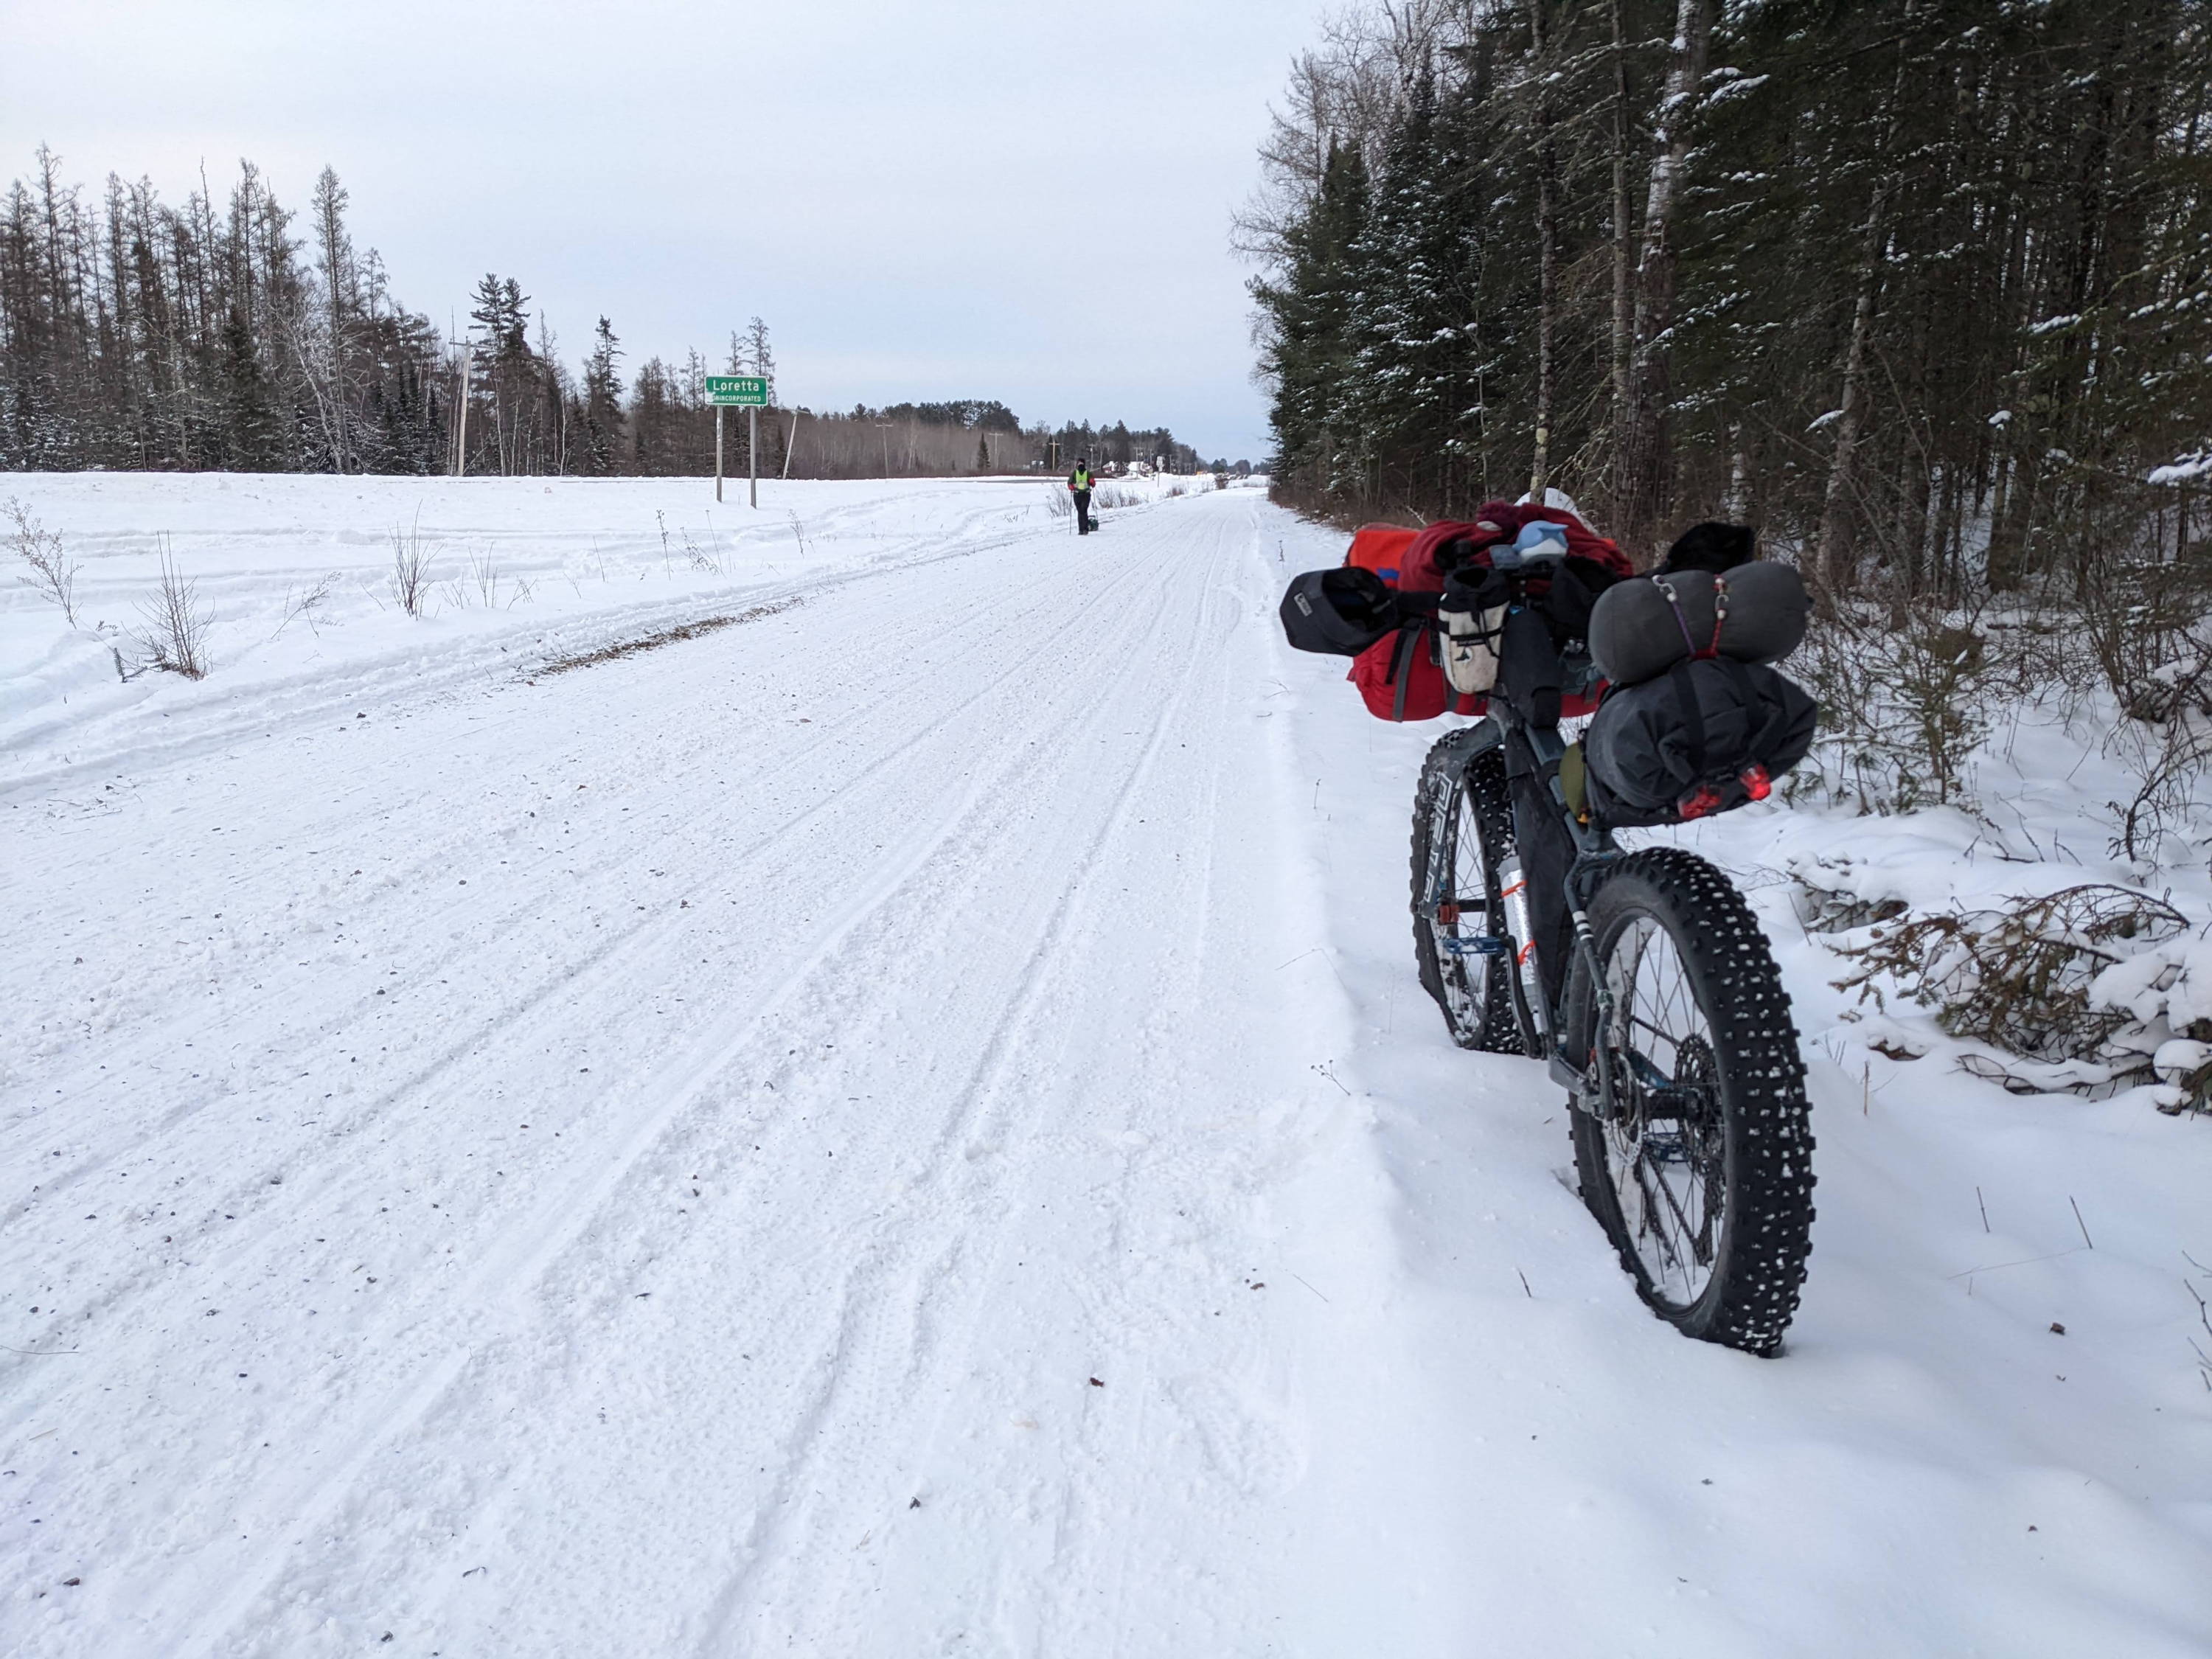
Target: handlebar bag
1705, 736
1339, 612
1398, 661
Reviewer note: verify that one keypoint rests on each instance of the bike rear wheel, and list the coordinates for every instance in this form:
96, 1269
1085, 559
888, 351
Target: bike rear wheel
1463, 826
1702, 1175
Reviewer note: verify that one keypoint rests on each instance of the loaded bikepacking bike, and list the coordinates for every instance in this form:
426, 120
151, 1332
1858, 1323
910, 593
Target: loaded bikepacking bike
1645, 982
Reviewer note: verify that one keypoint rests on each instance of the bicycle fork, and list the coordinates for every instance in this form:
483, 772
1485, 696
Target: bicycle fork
1599, 1022
1520, 927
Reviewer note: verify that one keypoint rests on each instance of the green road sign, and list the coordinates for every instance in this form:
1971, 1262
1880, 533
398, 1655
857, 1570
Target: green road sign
737, 391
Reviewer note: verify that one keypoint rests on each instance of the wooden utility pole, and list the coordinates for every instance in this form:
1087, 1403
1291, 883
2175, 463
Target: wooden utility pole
461, 436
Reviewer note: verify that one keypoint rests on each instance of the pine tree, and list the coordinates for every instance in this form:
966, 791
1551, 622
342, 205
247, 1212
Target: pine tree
1305, 347
328, 373
655, 422
1915, 285
252, 433
602, 412
759, 359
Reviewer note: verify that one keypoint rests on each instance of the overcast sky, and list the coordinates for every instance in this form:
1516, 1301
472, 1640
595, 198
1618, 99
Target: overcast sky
994, 198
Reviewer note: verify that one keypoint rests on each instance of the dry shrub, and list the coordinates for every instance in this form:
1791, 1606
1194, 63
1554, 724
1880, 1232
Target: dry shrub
1832, 910
2017, 978
2144, 625
175, 636
52, 572
1904, 700
708, 559
411, 569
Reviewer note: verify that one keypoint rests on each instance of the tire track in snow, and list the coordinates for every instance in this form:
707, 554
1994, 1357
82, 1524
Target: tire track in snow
606, 959
822, 1558
527, 1247
552, 1310
875, 1274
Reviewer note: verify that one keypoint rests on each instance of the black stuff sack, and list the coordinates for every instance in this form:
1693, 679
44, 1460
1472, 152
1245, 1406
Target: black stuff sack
1706, 735
1339, 612
1755, 613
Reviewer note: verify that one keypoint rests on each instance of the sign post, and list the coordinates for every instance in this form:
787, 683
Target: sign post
750, 393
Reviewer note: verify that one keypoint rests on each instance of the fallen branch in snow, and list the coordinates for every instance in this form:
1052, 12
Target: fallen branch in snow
667, 636
303, 606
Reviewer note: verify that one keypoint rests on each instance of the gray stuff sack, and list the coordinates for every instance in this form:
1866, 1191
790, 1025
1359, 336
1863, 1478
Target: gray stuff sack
1755, 613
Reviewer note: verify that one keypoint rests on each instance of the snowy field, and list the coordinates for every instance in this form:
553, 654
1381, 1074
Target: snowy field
904, 1124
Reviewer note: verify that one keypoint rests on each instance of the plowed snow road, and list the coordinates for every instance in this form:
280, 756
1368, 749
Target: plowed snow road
906, 1127
652, 1161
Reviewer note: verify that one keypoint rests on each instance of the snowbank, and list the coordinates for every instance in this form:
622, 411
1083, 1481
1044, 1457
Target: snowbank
1988, 1429
296, 574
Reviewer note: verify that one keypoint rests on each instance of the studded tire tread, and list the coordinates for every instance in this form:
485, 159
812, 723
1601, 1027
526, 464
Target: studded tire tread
1767, 1120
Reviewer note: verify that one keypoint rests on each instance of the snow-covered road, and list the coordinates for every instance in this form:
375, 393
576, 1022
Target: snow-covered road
905, 1126
653, 1160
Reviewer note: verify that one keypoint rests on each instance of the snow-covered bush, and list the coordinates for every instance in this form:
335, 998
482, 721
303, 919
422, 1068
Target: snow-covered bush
2091, 988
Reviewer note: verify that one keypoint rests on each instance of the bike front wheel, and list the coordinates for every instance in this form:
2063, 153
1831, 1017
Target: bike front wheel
1463, 827
1700, 1169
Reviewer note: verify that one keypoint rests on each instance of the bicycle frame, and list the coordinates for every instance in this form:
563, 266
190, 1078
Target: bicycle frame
1669, 1031
1595, 852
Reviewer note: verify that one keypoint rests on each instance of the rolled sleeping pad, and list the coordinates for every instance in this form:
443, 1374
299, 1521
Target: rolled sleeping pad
1639, 629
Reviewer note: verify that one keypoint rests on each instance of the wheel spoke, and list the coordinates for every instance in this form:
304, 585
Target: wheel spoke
1667, 1180
1458, 860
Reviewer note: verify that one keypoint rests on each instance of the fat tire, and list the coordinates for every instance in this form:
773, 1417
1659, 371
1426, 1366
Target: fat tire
1765, 1120
1462, 768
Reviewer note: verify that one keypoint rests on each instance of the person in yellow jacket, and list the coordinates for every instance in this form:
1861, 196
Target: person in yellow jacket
1078, 485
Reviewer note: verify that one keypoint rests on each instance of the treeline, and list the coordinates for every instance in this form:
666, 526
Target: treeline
933, 440
1922, 286
232, 336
